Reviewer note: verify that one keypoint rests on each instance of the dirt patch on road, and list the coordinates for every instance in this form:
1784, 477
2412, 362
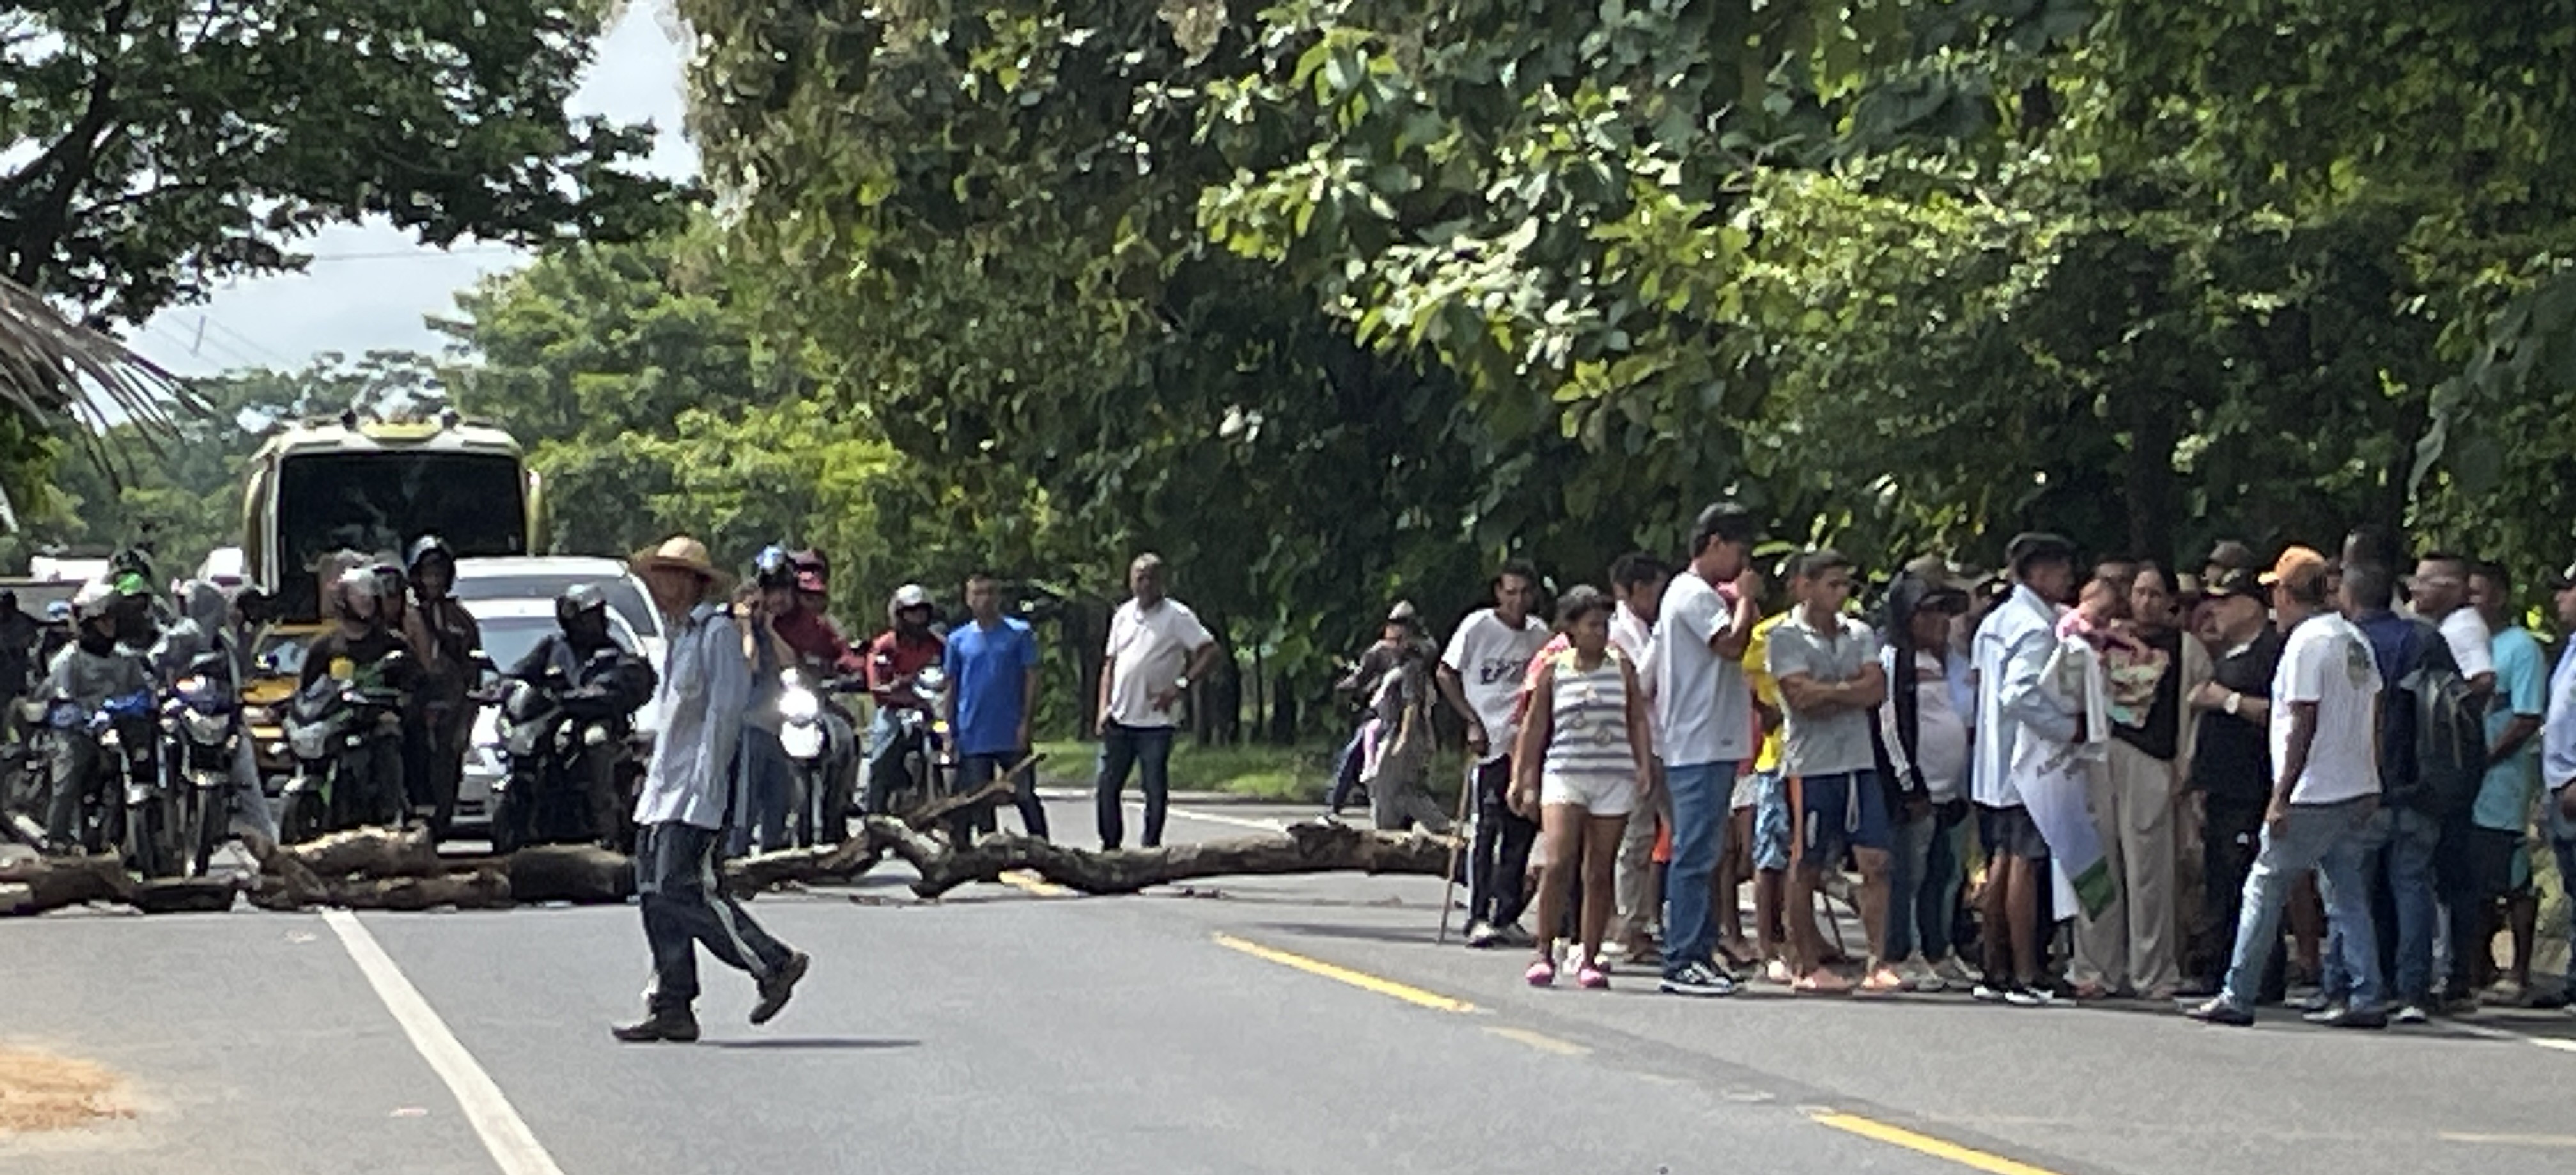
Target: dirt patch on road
40, 1091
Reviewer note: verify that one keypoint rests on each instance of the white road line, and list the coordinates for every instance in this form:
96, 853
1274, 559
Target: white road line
513, 1147
2486, 1033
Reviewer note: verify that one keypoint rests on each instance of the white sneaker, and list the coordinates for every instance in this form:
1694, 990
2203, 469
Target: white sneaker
2410, 1014
1481, 935
1919, 975
1956, 972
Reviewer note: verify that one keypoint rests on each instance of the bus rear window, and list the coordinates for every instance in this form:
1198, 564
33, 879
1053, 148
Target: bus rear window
377, 502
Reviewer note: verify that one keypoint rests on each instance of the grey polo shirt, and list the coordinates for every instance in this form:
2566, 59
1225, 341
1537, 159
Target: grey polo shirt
1829, 744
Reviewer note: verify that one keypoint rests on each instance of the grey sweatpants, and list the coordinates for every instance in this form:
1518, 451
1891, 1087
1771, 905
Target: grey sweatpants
685, 905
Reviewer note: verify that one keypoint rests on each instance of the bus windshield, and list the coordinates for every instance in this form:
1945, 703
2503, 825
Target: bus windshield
375, 502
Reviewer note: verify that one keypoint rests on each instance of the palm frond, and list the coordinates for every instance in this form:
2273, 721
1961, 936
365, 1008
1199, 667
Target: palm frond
72, 382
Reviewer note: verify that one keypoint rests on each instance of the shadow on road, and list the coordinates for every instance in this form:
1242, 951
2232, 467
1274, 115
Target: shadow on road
788, 1043
1409, 935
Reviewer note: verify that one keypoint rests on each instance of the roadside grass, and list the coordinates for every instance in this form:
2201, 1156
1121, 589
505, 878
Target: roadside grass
1300, 774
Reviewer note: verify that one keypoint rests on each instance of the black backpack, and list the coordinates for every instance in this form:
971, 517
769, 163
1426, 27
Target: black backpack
2445, 724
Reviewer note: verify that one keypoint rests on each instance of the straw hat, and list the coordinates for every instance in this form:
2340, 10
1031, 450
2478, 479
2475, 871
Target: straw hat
679, 553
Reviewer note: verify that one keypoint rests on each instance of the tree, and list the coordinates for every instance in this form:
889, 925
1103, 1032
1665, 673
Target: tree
156, 146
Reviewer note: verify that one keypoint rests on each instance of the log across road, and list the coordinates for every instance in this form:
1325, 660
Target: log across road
1285, 1023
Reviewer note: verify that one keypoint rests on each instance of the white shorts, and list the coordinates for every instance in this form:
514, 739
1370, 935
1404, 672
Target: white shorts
1602, 795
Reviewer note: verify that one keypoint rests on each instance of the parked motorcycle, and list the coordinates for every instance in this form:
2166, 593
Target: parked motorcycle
119, 805
346, 738
201, 727
822, 752
922, 744
545, 796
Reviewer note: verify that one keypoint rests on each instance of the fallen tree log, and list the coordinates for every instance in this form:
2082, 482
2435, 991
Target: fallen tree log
1301, 848
370, 851
185, 895
481, 888
38, 884
584, 874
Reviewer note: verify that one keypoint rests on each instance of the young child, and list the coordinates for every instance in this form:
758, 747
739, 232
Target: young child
1584, 763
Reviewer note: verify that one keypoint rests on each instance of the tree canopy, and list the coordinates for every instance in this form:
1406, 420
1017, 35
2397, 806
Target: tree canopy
1339, 301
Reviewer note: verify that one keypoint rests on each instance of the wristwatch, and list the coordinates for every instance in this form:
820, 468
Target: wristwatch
1181, 683
2234, 700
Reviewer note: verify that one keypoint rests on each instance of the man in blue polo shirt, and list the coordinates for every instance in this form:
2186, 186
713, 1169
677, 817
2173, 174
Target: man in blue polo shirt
992, 666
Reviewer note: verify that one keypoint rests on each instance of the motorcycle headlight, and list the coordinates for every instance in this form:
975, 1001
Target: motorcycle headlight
487, 727
800, 706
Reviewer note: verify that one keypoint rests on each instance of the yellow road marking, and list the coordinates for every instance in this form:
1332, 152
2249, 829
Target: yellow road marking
1540, 1041
1027, 882
1359, 979
2549, 1140
1926, 1144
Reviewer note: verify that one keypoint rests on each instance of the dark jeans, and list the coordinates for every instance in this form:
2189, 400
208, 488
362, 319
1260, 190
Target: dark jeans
1346, 775
434, 746
1498, 860
768, 792
77, 773
974, 771
1147, 750
2229, 839
675, 877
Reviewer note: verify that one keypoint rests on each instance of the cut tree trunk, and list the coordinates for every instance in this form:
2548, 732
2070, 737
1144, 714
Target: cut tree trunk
38, 884
185, 895
374, 852
1301, 848
582, 874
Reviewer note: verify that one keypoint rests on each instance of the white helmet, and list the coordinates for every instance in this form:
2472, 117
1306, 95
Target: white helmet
93, 599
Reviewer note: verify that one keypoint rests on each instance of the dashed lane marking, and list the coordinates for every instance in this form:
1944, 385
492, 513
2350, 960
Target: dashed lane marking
2538, 1140
1236, 821
514, 1148
1939, 1148
2484, 1032
1359, 979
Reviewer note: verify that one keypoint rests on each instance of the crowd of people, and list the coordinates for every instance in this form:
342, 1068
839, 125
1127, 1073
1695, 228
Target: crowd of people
2167, 764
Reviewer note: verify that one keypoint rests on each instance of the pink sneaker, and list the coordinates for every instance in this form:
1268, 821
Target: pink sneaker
1541, 974
1592, 977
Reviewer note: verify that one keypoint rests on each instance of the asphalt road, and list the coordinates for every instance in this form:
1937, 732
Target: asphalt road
1287, 1024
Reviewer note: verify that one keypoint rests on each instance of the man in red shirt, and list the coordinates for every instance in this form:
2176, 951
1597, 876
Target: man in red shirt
902, 651
806, 627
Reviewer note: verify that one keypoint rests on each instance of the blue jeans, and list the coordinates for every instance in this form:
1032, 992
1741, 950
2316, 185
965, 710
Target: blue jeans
1346, 773
2334, 840
1147, 750
1700, 793
2400, 846
1923, 888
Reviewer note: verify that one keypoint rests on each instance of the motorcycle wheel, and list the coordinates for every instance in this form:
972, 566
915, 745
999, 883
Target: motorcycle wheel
198, 832
510, 819
302, 819
146, 832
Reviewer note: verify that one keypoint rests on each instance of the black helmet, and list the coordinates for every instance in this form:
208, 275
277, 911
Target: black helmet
772, 568
577, 599
424, 547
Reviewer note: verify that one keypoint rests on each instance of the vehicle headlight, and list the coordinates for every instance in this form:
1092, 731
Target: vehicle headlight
800, 706
487, 727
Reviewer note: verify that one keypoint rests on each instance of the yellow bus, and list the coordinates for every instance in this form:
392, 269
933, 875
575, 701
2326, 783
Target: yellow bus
372, 486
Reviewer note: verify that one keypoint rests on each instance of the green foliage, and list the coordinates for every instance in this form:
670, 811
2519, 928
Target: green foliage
156, 146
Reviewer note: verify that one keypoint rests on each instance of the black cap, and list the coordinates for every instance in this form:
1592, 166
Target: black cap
2233, 581
2030, 546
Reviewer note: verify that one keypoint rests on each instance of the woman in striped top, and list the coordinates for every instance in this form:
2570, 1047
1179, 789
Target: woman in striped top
1585, 761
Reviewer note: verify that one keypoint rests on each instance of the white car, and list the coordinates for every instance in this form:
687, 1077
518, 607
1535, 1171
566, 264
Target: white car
511, 628
543, 577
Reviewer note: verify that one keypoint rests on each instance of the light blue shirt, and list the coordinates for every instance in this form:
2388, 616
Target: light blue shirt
2012, 651
2521, 688
2558, 731
705, 690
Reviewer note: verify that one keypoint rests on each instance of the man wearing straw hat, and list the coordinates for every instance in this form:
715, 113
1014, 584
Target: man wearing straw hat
689, 797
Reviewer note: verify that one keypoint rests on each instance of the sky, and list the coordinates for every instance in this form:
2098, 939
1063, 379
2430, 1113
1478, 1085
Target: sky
370, 285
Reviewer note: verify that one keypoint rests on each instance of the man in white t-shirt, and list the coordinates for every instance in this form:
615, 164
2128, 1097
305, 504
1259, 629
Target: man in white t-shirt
1157, 647
1637, 581
1704, 713
2440, 593
2325, 795
1480, 675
